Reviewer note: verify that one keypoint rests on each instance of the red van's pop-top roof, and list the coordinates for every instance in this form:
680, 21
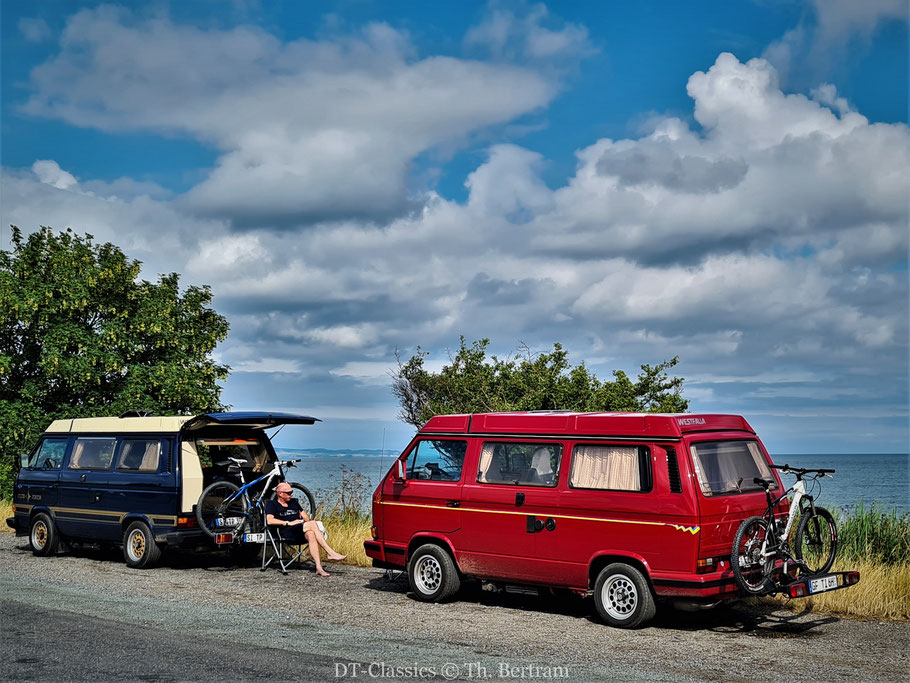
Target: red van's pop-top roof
593, 424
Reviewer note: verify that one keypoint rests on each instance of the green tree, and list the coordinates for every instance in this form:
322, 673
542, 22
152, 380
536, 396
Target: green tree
473, 383
81, 335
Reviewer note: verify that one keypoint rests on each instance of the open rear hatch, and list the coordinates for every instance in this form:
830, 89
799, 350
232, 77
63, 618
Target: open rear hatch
252, 420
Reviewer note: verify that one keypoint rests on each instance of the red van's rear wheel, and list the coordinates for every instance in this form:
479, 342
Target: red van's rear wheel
432, 574
623, 596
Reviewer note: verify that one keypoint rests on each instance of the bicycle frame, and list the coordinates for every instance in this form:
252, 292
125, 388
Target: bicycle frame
249, 504
780, 539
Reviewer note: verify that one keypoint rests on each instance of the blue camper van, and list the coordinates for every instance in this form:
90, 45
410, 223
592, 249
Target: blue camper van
134, 480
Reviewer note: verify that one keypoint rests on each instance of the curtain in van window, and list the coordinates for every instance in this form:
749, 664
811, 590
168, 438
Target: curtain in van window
606, 467
490, 467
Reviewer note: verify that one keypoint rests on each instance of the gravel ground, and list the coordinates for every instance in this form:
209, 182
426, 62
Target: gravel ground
358, 617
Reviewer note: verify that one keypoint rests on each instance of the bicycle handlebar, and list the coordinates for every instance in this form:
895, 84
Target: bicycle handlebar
801, 470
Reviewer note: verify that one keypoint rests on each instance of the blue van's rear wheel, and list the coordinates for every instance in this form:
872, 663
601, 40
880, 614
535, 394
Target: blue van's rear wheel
139, 547
623, 597
219, 509
43, 536
433, 574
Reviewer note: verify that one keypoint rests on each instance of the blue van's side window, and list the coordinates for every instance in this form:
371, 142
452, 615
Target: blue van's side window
49, 455
92, 453
141, 455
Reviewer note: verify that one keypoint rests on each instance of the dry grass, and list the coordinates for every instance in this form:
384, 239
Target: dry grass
883, 592
6, 510
347, 534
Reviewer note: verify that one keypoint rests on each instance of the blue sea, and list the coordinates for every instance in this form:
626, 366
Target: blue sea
880, 478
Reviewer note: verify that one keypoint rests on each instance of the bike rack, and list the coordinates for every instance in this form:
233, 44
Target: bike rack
800, 588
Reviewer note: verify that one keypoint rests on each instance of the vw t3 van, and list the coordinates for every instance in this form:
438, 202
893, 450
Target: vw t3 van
134, 480
632, 507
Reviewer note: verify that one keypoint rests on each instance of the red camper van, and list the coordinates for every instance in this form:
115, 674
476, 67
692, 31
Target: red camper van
632, 507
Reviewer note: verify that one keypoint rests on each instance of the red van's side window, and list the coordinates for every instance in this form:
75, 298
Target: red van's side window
525, 464
437, 460
611, 467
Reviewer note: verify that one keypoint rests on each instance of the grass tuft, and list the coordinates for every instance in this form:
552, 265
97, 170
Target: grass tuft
6, 510
347, 534
874, 535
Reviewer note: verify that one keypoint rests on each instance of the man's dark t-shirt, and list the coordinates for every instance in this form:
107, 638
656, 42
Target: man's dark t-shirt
288, 514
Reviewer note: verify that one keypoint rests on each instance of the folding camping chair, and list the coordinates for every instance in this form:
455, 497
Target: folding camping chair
284, 552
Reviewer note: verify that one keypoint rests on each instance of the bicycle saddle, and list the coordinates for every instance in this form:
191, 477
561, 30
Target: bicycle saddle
764, 483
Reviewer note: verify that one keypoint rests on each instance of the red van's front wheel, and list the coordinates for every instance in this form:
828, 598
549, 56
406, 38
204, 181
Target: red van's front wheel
432, 574
623, 596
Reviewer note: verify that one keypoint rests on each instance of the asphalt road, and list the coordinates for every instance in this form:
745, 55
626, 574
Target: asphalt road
83, 616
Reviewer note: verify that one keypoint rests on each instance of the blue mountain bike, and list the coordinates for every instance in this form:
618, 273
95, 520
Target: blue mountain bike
229, 513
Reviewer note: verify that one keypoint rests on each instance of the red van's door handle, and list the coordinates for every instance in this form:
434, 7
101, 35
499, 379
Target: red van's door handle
453, 503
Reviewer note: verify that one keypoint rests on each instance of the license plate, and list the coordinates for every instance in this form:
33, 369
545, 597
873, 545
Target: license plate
254, 538
228, 521
823, 584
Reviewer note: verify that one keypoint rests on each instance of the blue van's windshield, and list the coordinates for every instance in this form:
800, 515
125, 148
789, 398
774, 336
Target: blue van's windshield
725, 467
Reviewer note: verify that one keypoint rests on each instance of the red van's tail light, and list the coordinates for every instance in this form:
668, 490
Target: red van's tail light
374, 532
851, 578
186, 522
706, 565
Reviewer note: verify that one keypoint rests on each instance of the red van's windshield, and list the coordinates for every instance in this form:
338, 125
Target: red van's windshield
725, 467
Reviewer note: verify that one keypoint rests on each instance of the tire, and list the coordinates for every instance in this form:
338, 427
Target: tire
816, 541
752, 571
623, 597
433, 574
304, 497
212, 506
43, 536
139, 547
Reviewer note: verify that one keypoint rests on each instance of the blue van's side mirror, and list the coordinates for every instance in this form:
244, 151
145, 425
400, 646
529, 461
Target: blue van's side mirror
23, 460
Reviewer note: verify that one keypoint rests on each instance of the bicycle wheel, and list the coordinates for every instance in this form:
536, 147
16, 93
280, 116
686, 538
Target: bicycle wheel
303, 496
816, 541
751, 569
219, 509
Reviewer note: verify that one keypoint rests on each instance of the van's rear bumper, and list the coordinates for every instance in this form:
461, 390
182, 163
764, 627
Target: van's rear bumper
183, 538
384, 555
718, 585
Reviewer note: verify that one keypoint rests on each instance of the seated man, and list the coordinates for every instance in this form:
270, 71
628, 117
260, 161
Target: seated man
295, 526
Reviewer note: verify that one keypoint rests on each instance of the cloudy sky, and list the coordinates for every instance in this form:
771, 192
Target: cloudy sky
723, 181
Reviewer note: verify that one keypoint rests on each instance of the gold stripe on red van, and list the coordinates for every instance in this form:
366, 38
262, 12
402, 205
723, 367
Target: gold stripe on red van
679, 527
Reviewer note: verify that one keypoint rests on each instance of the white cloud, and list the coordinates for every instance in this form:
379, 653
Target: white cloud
529, 32
50, 173
267, 365
307, 129
830, 33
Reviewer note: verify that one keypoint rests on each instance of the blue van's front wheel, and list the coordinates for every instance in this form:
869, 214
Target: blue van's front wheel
139, 547
43, 536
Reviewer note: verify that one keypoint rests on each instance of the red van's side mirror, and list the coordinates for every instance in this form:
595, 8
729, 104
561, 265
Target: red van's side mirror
401, 472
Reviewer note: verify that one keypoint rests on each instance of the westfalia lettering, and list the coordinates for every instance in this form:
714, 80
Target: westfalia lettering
686, 421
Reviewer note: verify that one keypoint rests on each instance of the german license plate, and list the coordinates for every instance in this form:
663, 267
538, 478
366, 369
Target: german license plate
228, 521
823, 584
254, 538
